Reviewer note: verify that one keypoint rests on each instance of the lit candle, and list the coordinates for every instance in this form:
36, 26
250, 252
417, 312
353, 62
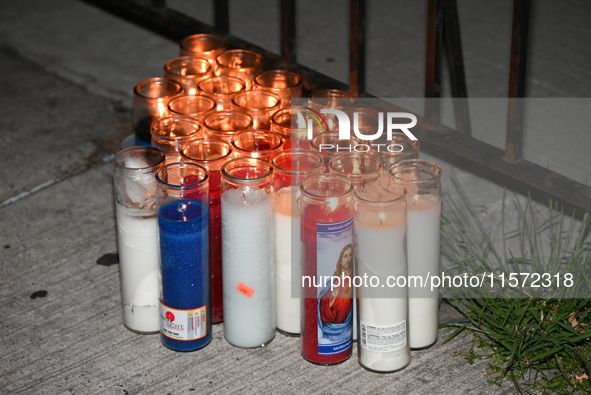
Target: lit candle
207, 46
240, 63
261, 144
183, 224
380, 229
248, 252
137, 236
188, 71
169, 133
327, 235
421, 179
212, 154
284, 83
290, 168
292, 124
260, 105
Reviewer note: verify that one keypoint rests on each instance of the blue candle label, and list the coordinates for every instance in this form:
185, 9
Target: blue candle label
383, 338
183, 324
335, 296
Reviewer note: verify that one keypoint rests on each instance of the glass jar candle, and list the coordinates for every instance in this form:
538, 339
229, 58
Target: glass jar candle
212, 154
290, 168
248, 252
240, 63
137, 235
222, 89
296, 124
283, 83
326, 206
380, 242
206, 46
328, 144
150, 102
194, 106
331, 99
260, 105
183, 224
224, 125
256, 144
398, 149
188, 71
422, 181
361, 168
170, 133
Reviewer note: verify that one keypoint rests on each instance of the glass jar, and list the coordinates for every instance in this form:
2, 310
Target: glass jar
380, 255
183, 224
256, 144
290, 168
188, 71
283, 83
194, 106
248, 253
326, 206
331, 99
240, 63
212, 155
295, 123
222, 89
150, 102
422, 181
207, 46
224, 125
260, 105
168, 134
137, 235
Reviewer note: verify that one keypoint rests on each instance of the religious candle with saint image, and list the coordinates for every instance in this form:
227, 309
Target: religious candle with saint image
290, 168
327, 289
380, 240
248, 262
422, 181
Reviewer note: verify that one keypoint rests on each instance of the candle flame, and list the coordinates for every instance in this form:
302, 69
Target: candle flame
162, 109
382, 217
332, 203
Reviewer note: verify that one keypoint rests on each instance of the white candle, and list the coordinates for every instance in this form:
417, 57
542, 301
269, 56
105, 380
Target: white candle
288, 255
424, 213
248, 267
139, 257
382, 310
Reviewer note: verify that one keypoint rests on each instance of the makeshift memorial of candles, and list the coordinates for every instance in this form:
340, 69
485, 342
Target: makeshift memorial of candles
283, 83
380, 230
222, 89
260, 105
326, 207
150, 102
206, 46
212, 154
328, 144
194, 106
261, 144
422, 181
293, 123
290, 168
188, 71
223, 125
398, 149
183, 224
240, 63
170, 133
137, 235
248, 252
364, 170
331, 99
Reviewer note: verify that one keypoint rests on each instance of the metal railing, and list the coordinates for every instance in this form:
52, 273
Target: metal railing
443, 34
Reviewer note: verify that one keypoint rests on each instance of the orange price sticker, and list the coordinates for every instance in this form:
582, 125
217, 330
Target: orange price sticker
245, 290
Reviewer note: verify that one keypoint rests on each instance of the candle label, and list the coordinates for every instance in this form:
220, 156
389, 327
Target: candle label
335, 298
245, 290
383, 338
183, 324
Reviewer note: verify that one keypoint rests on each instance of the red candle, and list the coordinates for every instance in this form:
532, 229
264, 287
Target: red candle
327, 235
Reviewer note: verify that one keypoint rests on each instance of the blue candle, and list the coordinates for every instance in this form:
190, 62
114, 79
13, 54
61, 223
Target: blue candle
184, 248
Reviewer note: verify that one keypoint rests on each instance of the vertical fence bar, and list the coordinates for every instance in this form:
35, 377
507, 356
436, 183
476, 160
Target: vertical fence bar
288, 33
517, 80
357, 47
433, 61
221, 16
452, 41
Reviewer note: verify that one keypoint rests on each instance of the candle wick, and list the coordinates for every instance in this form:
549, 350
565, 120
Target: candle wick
380, 221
